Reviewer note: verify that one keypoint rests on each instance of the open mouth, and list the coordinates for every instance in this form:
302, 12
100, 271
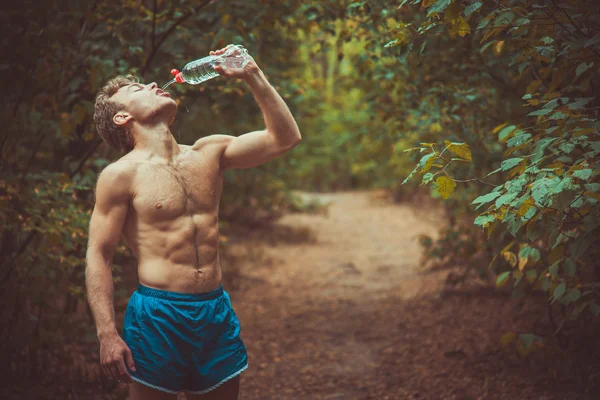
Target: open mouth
160, 92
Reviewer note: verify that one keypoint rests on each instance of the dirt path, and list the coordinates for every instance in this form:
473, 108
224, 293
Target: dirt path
364, 247
337, 307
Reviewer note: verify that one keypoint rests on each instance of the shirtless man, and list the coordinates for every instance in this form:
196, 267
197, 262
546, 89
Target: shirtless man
180, 332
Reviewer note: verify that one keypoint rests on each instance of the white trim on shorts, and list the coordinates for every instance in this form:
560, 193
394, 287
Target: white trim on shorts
162, 389
220, 383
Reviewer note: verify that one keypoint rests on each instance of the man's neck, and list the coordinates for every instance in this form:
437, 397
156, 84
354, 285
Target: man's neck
157, 142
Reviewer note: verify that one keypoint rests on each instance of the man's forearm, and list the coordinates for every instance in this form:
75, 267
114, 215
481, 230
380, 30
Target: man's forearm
278, 118
100, 288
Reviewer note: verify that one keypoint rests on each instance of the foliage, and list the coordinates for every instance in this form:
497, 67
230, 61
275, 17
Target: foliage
516, 95
497, 93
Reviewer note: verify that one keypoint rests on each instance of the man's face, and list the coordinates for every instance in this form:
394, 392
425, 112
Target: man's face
146, 103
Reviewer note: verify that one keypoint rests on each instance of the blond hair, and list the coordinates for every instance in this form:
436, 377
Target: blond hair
117, 137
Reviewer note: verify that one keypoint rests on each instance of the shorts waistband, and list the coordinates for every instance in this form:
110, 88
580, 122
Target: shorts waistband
176, 296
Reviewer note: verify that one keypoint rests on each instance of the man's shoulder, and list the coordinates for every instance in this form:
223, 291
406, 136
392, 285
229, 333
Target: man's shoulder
117, 176
216, 140
121, 168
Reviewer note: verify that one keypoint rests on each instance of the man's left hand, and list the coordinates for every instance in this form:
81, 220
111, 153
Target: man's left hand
236, 73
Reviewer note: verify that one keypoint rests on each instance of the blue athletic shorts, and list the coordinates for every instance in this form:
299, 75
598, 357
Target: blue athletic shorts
183, 342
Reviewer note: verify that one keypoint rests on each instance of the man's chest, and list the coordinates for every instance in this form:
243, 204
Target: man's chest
165, 192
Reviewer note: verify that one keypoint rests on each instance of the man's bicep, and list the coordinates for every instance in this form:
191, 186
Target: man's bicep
250, 150
110, 212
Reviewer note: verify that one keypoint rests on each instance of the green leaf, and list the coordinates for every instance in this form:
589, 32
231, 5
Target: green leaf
438, 7
561, 238
567, 147
540, 147
527, 339
410, 175
580, 103
541, 189
545, 51
509, 163
518, 139
493, 172
427, 177
513, 223
531, 275
534, 254
558, 115
483, 220
552, 104
543, 111
357, 4
484, 22
570, 267
486, 198
572, 295
583, 174
581, 68
546, 284
472, 8
505, 18
592, 41
592, 187
391, 43
424, 160
505, 199
580, 245
591, 222
502, 279
559, 291
564, 184
503, 134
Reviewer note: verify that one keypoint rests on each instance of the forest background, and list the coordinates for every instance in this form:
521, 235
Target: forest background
490, 107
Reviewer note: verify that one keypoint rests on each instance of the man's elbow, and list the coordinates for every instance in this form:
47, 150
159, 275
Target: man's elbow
99, 256
281, 145
295, 142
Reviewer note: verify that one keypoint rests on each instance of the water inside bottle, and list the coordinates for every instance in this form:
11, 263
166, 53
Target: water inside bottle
200, 70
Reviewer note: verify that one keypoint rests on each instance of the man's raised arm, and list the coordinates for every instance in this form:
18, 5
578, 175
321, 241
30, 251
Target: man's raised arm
106, 225
257, 147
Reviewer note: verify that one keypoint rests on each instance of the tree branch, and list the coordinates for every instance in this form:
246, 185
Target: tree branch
168, 33
85, 158
153, 24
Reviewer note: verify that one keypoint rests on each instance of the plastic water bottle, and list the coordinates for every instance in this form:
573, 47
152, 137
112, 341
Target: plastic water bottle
201, 70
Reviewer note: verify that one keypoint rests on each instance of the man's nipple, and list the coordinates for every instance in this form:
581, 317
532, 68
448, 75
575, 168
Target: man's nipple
158, 205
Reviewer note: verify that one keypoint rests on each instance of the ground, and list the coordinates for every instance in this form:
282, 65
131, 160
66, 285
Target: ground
343, 307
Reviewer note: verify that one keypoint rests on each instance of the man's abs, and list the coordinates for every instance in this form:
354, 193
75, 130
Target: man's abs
172, 225
182, 259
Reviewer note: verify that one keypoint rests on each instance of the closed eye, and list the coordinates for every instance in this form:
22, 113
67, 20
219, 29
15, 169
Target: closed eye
138, 86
